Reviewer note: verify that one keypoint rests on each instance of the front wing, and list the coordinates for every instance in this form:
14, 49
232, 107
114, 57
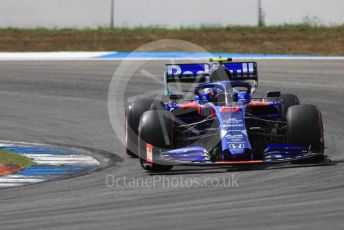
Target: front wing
198, 156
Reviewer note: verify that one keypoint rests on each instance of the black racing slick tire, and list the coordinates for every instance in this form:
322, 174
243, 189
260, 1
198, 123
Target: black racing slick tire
156, 130
133, 113
288, 101
156, 168
305, 128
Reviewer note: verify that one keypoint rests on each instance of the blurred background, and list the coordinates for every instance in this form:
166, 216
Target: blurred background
166, 13
247, 26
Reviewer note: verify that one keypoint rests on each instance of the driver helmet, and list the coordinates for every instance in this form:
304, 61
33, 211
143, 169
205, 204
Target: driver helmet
244, 97
208, 95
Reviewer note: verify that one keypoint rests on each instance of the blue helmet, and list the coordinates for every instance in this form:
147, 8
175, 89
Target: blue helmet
207, 95
244, 97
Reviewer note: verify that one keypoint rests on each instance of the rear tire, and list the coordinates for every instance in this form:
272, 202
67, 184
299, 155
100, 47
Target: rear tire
305, 128
156, 128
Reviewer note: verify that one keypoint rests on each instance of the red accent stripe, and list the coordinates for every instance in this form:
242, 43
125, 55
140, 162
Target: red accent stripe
192, 105
126, 130
149, 153
259, 103
238, 162
228, 109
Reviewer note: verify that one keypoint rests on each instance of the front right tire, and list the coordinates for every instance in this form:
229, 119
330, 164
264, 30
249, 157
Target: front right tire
305, 128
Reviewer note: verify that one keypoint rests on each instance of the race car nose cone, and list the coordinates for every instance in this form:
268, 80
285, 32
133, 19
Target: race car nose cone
237, 154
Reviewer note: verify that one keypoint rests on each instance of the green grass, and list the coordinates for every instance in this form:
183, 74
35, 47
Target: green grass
65, 31
11, 158
288, 39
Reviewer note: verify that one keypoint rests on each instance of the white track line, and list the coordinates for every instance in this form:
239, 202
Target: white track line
59, 163
6, 185
6, 143
95, 56
30, 56
51, 159
22, 180
203, 59
18, 180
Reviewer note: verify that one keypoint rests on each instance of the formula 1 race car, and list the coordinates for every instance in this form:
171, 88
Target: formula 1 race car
221, 124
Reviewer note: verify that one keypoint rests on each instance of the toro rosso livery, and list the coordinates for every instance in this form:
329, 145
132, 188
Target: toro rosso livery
222, 123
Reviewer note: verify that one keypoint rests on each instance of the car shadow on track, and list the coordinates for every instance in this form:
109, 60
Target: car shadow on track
191, 170
186, 171
282, 166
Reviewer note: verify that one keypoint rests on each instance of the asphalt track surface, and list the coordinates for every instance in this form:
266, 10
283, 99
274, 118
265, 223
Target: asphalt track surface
66, 102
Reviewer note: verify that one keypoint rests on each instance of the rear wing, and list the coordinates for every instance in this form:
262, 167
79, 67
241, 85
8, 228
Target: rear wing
199, 72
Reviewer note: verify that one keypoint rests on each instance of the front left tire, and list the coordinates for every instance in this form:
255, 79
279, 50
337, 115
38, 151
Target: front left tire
133, 113
155, 129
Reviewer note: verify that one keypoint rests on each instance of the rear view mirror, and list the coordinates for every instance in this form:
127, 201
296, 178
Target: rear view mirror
176, 96
274, 94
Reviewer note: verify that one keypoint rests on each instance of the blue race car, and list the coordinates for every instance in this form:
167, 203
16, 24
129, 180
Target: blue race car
222, 123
